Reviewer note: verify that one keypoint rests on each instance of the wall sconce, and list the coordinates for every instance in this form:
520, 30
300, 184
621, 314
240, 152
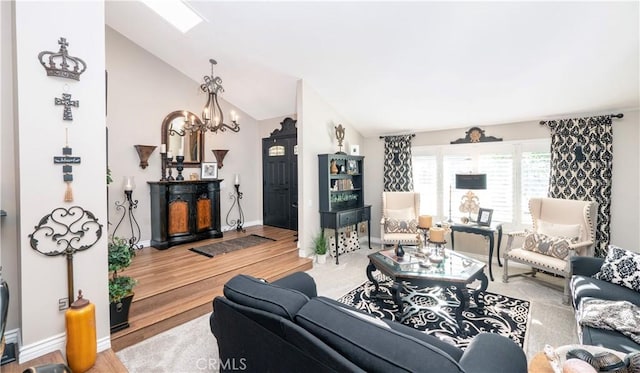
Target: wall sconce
236, 199
127, 206
144, 152
220, 154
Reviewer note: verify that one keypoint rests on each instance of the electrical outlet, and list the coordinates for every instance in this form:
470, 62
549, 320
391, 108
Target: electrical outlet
63, 304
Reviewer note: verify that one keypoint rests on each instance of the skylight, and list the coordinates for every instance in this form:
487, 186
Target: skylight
176, 12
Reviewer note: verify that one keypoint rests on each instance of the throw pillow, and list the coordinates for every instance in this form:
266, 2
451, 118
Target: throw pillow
557, 247
392, 225
559, 230
621, 267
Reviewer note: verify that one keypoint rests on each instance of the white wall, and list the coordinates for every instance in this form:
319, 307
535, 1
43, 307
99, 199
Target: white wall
41, 135
8, 170
142, 90
625, 205
316, 135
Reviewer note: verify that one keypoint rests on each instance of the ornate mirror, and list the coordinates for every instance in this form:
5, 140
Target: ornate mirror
176, 137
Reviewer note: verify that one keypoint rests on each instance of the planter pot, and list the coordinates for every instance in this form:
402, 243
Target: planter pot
119, 313
321, 258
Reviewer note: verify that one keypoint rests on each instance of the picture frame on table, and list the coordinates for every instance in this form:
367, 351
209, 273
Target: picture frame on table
209, 170
484, 216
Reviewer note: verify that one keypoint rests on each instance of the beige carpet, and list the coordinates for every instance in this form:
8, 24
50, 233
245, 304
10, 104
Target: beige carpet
192, 348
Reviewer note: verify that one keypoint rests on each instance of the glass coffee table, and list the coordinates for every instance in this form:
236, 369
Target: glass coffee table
450, 269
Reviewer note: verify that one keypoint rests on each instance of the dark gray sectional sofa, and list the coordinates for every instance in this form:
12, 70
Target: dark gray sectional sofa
583, 286
285, 327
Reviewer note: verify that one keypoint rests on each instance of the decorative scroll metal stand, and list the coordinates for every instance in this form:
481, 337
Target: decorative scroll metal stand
74, 230
237, 222
127, 206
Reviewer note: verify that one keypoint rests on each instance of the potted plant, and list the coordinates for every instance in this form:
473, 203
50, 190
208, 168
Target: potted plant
121, 254
320, 247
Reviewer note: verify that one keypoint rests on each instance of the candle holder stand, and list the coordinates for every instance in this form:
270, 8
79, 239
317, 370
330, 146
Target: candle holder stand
237, 222
163, 165
128, 206
169, 160
180, 167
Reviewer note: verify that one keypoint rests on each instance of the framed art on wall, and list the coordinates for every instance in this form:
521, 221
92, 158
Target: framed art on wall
484, 216
354, 149
209, 170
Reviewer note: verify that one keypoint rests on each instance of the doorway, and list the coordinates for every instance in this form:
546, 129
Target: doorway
280, 177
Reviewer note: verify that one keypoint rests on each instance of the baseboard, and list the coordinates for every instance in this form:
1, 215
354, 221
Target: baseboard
57, 342
145, 243
43, 347
226, 228
12, 336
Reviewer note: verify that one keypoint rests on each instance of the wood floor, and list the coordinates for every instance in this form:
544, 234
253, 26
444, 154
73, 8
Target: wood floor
106, 361
177, 285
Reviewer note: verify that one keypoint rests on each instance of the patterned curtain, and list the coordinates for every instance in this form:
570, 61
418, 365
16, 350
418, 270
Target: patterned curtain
398, 171
581, 163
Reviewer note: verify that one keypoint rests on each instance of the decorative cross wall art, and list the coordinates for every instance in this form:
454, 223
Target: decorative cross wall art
66, 160
68, 103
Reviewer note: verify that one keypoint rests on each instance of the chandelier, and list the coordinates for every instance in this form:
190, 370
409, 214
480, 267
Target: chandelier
212, 116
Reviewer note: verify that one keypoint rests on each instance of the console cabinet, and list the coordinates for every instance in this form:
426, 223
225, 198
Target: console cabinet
184, 211
342, 194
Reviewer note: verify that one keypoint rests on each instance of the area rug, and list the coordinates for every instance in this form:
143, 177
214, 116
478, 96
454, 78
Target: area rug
228, 246
501, 314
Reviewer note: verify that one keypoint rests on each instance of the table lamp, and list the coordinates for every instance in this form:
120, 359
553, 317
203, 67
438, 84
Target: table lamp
470, 203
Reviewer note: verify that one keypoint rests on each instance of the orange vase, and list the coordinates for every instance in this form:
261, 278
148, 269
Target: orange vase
82, 346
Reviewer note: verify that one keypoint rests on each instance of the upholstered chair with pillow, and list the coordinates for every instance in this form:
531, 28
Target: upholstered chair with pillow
562, 228
399, 223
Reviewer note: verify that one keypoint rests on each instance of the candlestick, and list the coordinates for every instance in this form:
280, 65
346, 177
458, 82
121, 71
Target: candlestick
237, 181
436, 234
425, 221
163, 148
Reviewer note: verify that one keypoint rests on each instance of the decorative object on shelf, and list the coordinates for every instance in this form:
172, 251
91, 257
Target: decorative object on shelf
333, 167
484, 216
144, 152
68, 103
236, 200
355, 149
180, 166
66, 160
220, 154
474, 135
352, 167
169, 160
340, 137
212, 116
82, 346
209, 170
470, 203
61, 64
121, 254
74, 230
128, 205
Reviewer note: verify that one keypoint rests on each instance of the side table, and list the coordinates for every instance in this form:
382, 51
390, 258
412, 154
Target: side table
486, 231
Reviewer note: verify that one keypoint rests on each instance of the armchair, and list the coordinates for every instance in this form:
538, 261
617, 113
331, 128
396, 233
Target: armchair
546, 247
399, 223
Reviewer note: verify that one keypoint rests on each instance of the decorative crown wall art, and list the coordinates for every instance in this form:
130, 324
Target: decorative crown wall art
61, 64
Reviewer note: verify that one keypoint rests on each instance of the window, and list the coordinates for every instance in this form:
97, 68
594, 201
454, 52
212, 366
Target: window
516, 172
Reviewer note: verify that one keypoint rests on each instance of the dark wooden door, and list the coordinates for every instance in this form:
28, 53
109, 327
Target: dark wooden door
280, 177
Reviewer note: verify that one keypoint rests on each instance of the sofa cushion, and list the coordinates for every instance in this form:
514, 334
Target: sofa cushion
251, 292
371, 345
621, 267
571, 231
557, 247
586, 286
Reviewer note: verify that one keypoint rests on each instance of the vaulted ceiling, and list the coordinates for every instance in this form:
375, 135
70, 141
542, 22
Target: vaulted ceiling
393, 67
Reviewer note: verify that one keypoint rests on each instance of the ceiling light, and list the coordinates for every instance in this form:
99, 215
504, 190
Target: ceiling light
176, 12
